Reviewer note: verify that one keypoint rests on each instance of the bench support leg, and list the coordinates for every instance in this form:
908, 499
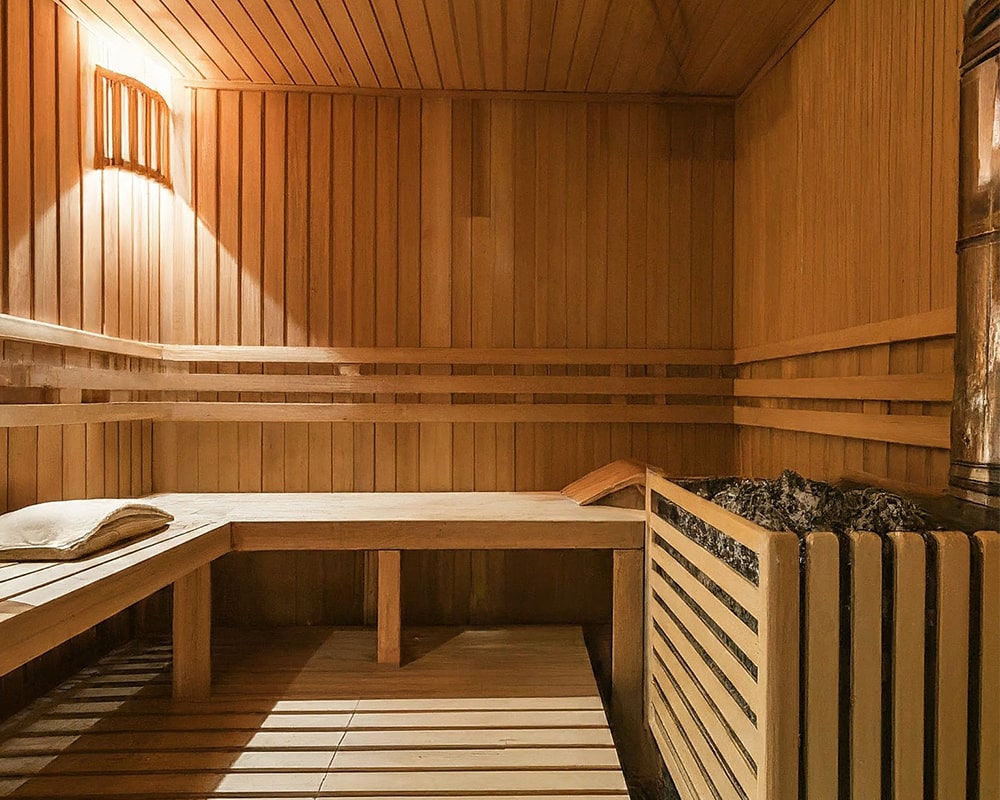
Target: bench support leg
390, 609
193, 635
627, 690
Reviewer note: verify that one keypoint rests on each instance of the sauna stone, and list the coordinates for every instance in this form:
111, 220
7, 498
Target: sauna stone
799, 505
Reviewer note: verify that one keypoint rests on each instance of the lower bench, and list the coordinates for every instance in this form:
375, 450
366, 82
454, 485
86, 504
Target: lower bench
43, 605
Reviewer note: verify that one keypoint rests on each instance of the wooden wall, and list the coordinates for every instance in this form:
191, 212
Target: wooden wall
382, 221
359, 220
78, 247
338, 220
846, 215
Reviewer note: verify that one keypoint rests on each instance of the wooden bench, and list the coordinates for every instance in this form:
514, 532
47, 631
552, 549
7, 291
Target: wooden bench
42, 605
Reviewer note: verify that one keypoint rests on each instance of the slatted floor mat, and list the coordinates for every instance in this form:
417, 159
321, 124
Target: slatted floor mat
306, 713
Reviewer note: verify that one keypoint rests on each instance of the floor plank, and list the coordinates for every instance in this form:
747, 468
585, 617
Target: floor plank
308, 713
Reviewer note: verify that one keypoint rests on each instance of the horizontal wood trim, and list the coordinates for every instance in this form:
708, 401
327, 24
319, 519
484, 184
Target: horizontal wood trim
79, 378
43, 333
446, 412
894, 428
645, 98
453, 535
928, 325
914, 388
443, 355
35, 414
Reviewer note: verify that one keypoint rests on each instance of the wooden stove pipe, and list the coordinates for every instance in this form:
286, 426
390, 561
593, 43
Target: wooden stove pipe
975, 426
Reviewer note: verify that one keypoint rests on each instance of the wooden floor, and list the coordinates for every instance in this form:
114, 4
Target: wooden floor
307, 713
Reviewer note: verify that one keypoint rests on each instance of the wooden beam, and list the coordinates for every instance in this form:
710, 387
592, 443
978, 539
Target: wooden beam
645, 98
390, 608
911, 388
894, 428
444, 412
28, 375
31, 331
627, 692
33, 414
444, 355
192, 638
928, 325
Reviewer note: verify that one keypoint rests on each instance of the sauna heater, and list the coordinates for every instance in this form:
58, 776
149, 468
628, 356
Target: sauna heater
975, 427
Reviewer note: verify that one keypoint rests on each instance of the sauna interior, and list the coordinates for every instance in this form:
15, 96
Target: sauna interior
353, 288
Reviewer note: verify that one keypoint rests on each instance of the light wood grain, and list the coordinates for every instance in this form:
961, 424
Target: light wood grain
192, 635
389, 608
922, 431
812, 142
951, 690
485, 713
68, 598
821, 654
684, 49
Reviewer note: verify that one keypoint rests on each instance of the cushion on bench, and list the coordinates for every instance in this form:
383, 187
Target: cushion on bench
66, 529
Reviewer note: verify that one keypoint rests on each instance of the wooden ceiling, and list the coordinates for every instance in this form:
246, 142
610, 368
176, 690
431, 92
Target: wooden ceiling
696, 47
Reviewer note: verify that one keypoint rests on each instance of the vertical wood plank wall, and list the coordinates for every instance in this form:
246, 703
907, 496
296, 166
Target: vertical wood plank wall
386, 221
78, 247
846, 214
338, 220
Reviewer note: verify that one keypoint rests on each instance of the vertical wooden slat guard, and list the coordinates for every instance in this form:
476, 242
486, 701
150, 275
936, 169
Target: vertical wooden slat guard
908, 647
866, 665
390, 616
987, 545
821, 650
779, 672
193, 635
627, 646
951, 692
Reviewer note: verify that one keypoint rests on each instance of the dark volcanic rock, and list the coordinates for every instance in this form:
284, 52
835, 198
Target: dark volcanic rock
796, 504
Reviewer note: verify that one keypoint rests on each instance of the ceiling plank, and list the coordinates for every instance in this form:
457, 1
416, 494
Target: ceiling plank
370, 34
228, 36
103, 17
491, 31
253, 39
397, 43
696, 47
593, 18
260, 14
220, 52
443, 33
302, 40
418, 32
328, 44
162, 18
609, 50
543, 15
467, 40
517, 25
569, 15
